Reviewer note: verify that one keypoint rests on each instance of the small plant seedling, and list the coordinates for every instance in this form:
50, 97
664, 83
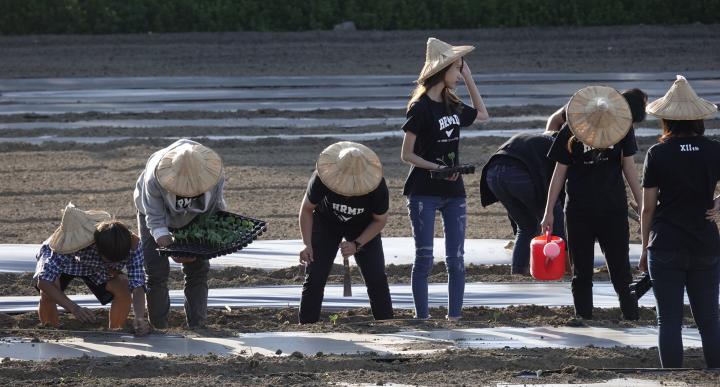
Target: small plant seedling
333, 318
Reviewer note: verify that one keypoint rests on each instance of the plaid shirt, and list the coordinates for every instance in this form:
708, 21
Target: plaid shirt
87, 263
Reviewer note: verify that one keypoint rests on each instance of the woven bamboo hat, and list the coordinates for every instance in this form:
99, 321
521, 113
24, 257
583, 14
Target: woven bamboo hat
439, 55
77, 229
349, 169
189, 170
681, 103
599, 116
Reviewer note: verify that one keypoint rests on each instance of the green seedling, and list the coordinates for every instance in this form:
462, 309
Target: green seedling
333, 318
213, 230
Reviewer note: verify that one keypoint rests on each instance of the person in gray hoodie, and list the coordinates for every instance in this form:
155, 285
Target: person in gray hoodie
179, 182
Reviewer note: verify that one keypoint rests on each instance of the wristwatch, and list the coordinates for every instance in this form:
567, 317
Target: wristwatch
358, 245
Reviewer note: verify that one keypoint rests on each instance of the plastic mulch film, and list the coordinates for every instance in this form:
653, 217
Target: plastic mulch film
208, 250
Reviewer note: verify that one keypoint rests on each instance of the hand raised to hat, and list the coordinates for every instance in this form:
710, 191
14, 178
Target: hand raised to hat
465, 70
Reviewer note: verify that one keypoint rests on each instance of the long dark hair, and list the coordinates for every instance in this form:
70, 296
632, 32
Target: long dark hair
681, 128
452, 101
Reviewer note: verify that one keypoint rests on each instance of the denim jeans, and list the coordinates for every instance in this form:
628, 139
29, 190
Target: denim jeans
422, 216
671, 274
513, 187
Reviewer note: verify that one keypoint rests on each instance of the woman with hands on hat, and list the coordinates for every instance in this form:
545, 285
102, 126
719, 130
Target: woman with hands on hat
89, 245
179, 182
681, 245
347, 198
593, 151
432, 134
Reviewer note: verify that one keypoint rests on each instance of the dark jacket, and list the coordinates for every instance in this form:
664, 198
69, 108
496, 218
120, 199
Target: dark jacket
528, 150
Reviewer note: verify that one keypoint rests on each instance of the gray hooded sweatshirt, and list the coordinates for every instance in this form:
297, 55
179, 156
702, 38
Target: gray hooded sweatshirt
161, 208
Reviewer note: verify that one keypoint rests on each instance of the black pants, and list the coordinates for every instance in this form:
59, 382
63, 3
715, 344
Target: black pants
370, 259
612, 232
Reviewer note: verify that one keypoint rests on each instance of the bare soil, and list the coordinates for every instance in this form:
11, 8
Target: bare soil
455, 367
499, 50
267, 179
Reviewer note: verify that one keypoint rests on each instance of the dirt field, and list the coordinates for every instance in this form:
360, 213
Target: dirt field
266, 179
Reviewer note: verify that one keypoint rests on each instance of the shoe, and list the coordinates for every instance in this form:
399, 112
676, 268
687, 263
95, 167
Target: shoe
453, 319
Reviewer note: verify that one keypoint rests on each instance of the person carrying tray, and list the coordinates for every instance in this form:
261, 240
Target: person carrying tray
435, 115
103, 253
347, 197
179, 182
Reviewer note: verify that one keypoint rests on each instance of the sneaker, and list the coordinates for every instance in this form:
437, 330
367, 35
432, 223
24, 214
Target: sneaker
452, 318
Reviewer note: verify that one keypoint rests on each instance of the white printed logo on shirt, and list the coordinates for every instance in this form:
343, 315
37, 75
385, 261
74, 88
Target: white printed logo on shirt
689, 148
449, 120
346, 211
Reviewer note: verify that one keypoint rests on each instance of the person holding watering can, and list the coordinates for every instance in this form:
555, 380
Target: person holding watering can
347, 197
593, 151
681, 246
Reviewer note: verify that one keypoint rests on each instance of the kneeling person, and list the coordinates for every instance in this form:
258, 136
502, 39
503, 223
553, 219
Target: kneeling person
347, 197
90, 246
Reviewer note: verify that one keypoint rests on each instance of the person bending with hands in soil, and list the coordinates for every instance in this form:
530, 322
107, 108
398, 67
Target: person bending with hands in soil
431, 141
179, 183
105, 255
347, 198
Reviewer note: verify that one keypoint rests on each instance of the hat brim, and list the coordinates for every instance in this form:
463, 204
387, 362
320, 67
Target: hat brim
599, 129
681, 111
206, 177
346, 184
432, 68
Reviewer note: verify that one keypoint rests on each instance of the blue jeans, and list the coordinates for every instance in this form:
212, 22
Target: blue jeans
422, 216
671, 274
513, 187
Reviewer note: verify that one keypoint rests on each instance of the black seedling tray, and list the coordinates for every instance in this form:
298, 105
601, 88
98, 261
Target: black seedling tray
200, 251
447, 172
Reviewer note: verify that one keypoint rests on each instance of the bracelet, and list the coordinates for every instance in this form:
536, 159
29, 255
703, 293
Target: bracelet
358, 245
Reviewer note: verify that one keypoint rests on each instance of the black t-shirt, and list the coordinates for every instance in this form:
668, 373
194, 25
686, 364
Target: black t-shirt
595, 183
685, 170
438, 137
348, 212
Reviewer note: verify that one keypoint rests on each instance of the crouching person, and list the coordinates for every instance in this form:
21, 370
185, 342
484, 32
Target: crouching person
347, 197
105, 255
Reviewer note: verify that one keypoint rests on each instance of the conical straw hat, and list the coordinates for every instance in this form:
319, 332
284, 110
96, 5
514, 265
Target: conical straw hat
439, 55
599, 116
77, 229
189, 170
349, 169
681, 103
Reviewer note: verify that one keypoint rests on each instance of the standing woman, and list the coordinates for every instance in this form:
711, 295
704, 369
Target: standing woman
680, 239
593, 151
347, 198
432, 135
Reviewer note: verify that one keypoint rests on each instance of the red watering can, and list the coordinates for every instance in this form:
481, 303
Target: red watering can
548, 257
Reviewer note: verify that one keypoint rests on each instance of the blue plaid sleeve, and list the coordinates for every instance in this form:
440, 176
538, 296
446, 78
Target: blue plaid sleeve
136, 269
50, 264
